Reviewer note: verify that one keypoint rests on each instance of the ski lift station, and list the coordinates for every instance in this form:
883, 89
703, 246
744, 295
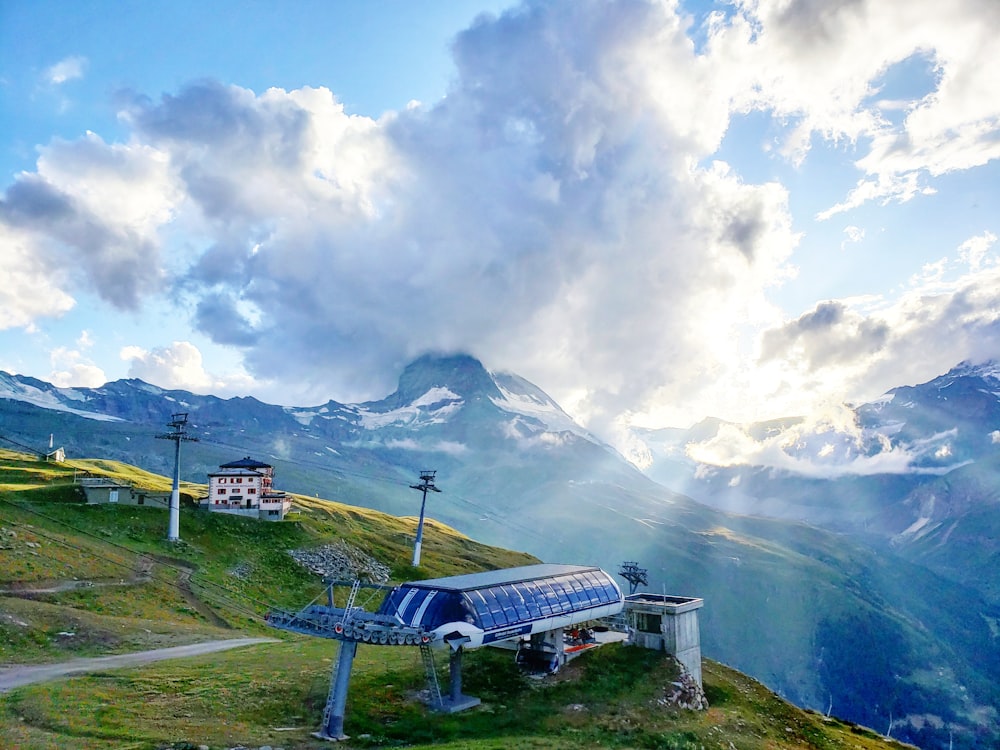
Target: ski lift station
539, 611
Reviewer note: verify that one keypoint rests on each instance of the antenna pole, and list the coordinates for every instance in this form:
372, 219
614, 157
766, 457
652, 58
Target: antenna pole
178, 423
426, 483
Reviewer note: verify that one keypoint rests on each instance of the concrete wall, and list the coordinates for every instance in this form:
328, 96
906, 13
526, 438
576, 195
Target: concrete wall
667, 623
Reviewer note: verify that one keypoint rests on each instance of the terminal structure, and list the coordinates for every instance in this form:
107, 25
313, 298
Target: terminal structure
529, 605
541, 611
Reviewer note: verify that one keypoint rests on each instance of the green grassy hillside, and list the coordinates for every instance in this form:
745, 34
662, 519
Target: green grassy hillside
139, 591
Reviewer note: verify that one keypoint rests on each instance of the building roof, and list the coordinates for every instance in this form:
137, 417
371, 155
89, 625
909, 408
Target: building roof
473, 581
235, 473
503, 598
245, 463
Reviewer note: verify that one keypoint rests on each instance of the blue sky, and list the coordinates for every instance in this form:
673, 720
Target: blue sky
654, 211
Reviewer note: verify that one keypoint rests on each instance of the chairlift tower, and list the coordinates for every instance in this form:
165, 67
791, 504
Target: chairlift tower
426, 484
178, 424
635, 575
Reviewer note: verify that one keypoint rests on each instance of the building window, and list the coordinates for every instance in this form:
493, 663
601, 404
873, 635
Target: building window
646, 622
239, 480
252, 491
222, 480
222, 490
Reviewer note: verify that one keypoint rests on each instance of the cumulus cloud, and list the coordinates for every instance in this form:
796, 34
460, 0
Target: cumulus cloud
71, 368
561, 212
91, 215
180, 366
858, 349
29, 290
825, 446
824, 66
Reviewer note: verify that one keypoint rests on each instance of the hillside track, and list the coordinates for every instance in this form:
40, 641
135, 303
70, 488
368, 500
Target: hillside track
15, 677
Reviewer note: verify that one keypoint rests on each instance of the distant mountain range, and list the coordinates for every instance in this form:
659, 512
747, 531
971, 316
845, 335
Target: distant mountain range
875, 618
918, 472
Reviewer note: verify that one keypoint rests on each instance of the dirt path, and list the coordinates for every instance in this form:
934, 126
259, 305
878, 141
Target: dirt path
14, 677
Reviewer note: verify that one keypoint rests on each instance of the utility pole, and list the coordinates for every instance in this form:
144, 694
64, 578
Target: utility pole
179, 423
426, 483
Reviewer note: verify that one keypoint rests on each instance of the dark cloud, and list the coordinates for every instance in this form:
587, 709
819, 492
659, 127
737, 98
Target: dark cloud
30, 199
217, 316
113, 261
829, 335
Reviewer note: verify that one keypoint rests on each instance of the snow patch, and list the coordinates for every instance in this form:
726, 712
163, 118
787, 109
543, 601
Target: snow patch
46, 400
420, 411
545, 411
303, 416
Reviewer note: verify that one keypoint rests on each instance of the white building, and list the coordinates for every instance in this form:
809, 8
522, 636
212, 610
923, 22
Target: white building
243, 488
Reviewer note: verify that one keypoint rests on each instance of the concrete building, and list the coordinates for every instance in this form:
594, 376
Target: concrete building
101, 490
244, 488
667, 623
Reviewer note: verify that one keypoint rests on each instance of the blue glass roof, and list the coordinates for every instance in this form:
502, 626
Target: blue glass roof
502, 598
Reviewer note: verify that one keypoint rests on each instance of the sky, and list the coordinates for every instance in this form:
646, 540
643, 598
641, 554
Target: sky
655, 211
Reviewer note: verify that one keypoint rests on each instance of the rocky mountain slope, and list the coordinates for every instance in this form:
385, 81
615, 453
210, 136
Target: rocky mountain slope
822, 618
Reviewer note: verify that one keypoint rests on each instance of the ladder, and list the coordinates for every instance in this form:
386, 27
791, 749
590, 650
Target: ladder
328, 709
432, 678
350, 601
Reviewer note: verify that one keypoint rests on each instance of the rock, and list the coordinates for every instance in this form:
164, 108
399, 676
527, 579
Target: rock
684, 693
343, 561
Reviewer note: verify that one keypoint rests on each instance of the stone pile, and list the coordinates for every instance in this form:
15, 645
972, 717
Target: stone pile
342, 561
685, 692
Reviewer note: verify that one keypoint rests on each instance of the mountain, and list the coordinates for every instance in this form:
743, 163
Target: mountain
821, 617
918, 472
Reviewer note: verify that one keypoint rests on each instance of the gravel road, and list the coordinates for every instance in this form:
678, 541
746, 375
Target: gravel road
14, 677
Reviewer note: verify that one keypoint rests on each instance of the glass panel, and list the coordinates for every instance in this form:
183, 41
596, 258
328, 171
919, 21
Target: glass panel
519, 604
469, 613
530, 597
482, 610
496, 608
582, 594
503, 596
563, 602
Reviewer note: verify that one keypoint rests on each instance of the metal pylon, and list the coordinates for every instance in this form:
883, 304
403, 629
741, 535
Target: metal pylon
432, 678
328, 709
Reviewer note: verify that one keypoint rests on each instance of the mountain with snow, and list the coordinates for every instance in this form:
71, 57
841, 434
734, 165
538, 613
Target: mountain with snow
819, 616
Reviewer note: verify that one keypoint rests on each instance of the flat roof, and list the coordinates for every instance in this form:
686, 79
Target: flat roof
473, 581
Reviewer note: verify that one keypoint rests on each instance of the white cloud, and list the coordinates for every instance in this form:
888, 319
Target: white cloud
71, 369
28, 289
65, 70
973, 251
178, 366
822, 67
561, 213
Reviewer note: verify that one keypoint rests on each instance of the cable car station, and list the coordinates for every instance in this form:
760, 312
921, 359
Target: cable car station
530, 608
